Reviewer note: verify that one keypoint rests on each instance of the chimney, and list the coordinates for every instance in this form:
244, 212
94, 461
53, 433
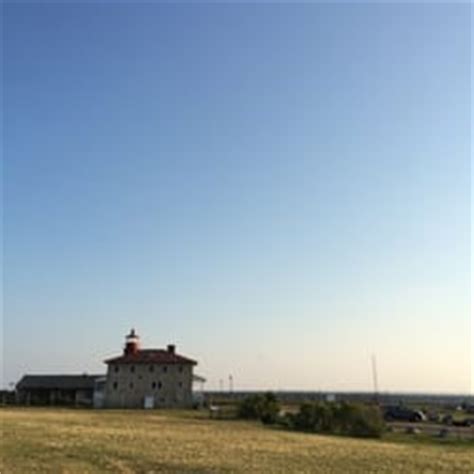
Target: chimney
171, 348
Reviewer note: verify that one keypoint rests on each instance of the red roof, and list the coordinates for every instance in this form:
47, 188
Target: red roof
151, 356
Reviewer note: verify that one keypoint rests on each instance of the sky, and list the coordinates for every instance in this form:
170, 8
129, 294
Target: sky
280, 190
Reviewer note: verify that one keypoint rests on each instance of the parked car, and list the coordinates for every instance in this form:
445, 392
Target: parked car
467, 422
400, 413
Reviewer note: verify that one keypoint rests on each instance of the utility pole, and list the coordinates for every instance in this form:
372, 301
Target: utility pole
375, 379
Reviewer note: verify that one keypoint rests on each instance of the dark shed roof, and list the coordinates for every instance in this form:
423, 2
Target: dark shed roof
64, 382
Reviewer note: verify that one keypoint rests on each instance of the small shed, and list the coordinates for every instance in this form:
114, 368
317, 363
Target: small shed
65, 390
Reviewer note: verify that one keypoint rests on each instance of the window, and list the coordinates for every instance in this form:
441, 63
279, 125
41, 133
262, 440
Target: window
151, 368
160, 385
131, 385
132, 369
180, 384
153, 385
180, 369
115, 385
165, 368
116, 368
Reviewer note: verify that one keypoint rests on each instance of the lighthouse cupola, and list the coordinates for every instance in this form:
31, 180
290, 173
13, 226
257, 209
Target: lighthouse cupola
132, 343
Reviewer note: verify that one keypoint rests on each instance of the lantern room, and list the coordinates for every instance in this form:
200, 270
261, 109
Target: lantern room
132, 343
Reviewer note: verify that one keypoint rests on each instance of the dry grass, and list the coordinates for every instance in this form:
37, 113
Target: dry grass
75, 441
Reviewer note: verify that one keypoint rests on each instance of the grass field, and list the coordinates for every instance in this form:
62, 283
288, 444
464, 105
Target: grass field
81, 441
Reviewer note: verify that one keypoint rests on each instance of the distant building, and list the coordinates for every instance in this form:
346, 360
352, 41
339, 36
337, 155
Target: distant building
148, 378
139, 378
67, 390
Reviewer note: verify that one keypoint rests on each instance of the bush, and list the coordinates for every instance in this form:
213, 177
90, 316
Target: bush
249, 408
339, 418
259, 407
270, 409
365, 421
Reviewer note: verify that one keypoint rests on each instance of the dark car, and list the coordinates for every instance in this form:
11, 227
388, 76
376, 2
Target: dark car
399, 413
467, 422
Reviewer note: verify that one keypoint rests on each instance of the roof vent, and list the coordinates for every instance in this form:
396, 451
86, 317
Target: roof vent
171, 348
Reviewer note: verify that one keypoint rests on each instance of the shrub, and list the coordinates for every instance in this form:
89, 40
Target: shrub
285, 420
249, 407
339, 418
365, 421
270, 409
259, 407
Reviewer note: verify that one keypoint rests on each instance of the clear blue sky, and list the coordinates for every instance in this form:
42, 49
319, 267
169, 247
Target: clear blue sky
281, 190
